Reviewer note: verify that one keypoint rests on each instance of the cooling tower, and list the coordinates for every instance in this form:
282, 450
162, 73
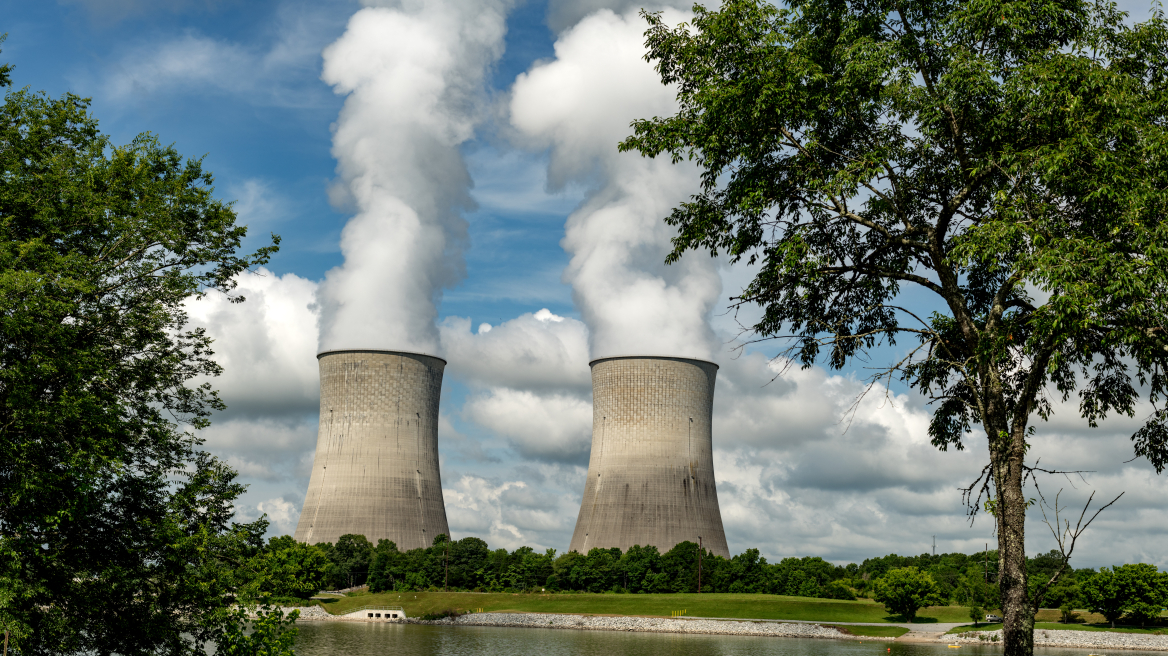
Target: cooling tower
376, 467
651, 473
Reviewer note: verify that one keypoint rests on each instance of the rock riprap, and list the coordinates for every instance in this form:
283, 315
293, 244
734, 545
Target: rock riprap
1082, 639
643, 624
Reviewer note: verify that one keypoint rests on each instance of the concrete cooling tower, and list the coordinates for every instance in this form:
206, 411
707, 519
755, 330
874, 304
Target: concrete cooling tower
651, 473
376, 467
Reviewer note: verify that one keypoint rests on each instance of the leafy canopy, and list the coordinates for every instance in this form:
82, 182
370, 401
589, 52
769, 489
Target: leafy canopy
116, 531
1007, 158
905, 590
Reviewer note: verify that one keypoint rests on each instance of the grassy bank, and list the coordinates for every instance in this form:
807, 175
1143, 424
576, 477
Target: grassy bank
873, 631
744, 606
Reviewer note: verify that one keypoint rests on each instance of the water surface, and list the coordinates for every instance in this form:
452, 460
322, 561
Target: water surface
360, 639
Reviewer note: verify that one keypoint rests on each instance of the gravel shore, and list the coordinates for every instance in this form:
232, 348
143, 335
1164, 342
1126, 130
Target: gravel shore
309, 612
642, 624
1080, 639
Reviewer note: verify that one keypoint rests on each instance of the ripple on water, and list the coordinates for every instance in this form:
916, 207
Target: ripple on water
360, 639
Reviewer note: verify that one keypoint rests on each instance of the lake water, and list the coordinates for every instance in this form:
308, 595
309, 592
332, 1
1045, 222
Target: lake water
359, 639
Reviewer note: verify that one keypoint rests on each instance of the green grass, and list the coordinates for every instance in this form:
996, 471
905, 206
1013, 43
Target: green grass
1058, 626
874, 631
744, 606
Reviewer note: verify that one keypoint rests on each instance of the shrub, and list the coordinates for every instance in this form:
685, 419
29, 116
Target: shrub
905, 590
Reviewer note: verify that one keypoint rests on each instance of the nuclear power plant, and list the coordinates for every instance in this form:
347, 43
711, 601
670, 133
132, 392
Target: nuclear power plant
375, 472
651, 472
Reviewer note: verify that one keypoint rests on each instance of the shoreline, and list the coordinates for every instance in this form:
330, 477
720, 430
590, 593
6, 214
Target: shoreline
1073, 639
628, 623
760, 628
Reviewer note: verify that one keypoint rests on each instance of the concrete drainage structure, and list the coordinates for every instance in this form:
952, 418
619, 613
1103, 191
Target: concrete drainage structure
651, 472
374, 614
375, 472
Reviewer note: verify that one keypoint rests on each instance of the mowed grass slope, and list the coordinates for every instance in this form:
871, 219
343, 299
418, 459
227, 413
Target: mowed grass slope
744, 606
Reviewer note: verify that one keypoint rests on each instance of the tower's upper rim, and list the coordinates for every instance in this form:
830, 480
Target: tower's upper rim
651, 357
382, 351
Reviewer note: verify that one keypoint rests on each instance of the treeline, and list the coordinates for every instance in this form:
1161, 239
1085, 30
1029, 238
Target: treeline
1135, 592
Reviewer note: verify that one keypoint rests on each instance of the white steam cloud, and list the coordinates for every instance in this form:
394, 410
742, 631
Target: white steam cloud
414, 79
580, 106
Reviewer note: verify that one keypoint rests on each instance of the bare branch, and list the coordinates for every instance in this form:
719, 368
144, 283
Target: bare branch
1065, 536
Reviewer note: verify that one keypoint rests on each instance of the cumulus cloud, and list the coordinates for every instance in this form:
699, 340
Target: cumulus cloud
267, 347
532, 382
511, 514
536, 351
413, 77
579, 105
803, 469
553, 427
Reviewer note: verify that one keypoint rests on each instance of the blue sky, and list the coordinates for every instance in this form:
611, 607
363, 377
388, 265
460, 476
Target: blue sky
501, 143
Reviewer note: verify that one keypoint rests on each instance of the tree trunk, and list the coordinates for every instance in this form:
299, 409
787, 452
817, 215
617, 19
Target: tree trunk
1017, 612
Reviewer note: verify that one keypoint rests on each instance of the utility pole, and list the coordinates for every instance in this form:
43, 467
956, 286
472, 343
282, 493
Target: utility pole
987, 563
699, 564
934, 545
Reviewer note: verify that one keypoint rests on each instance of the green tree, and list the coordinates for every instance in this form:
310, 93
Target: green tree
638, 565
351, 557
837, 590
1145, 589
1004, 160
467, 556
906, 590
1064, 596
1105, 594
288, 568
116, 532
383, 571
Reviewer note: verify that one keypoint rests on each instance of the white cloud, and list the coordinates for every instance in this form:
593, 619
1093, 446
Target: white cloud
579, 105
270, 383
509, 514
413, 77
266, 345
190, 60
545, 427
535, 351
803, 472
282, 514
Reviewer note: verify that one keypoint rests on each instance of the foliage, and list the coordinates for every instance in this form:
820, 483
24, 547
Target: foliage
976, 613
906, 590
837, 590
288, 568
351, 557
1005, 159
272, 633
117, 531
1135, 591
1105, 594
1147, 591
